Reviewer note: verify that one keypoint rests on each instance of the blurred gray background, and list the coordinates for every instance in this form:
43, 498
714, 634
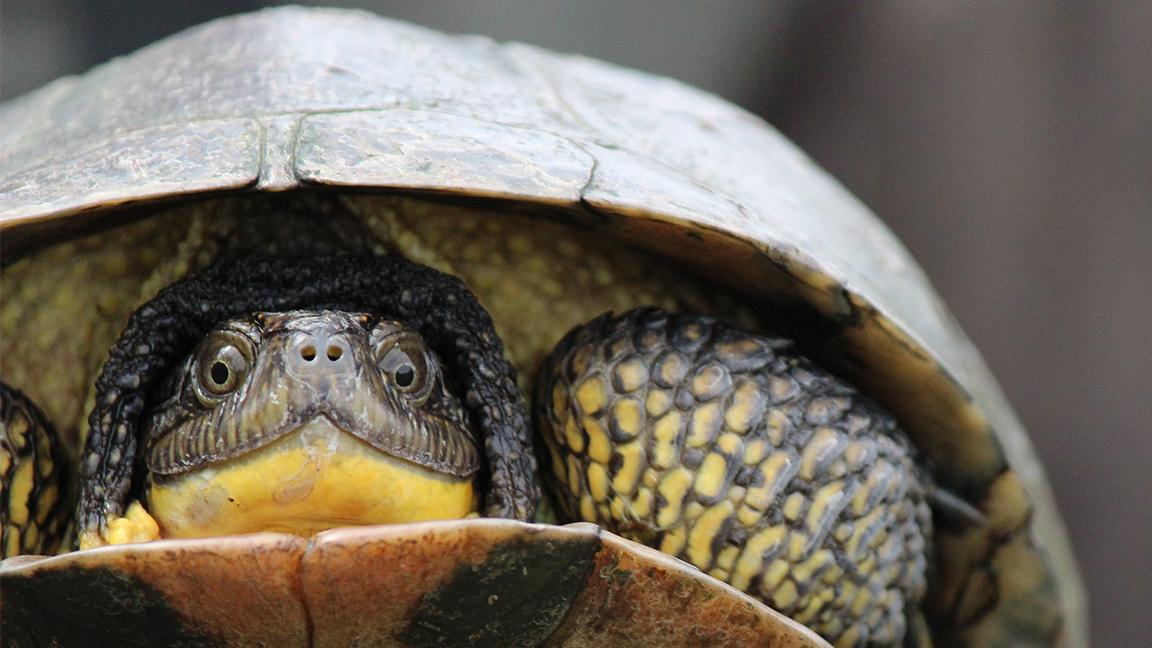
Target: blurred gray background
1009, 144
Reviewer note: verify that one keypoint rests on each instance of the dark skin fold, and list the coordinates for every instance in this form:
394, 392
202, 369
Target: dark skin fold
444, 311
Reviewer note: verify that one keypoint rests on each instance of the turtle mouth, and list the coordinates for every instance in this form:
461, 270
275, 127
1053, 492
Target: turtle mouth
183, 441
315, 477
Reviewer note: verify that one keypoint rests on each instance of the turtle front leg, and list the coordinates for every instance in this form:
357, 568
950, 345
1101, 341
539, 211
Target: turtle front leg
35, 488
732, 452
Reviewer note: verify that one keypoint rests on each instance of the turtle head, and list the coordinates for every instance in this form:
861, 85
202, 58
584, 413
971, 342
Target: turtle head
301, 420
304, 420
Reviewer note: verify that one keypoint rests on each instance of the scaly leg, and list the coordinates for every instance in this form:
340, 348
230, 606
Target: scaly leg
35, 488
734, 453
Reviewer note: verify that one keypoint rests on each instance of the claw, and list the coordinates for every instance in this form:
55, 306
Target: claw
136, 525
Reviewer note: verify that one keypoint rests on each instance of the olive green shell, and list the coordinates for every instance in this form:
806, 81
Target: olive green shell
291, 98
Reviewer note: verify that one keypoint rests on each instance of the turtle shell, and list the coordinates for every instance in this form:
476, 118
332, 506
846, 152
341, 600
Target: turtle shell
385, 586
293, 98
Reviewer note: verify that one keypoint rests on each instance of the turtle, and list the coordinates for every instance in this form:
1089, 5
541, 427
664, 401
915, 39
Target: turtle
588, 251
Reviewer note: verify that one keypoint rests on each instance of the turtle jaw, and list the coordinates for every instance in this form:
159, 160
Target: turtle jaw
317, 477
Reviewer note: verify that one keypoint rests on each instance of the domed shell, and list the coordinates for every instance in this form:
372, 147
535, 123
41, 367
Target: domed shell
292, 98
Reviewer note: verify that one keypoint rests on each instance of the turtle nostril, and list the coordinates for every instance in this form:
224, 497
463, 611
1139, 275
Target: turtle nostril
308, 352
334, 352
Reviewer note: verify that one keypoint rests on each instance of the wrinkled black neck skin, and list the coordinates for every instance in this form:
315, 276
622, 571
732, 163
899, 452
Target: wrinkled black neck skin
166, 328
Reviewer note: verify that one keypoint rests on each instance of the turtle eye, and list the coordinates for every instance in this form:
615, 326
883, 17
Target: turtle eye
404, 360
404, 375
222, 364
406, 367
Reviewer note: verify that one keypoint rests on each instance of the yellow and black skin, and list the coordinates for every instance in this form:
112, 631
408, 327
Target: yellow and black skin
35, 479
732, 452
162, 332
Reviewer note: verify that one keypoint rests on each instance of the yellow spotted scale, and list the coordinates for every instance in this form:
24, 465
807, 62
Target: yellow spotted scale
732, 452
34, 495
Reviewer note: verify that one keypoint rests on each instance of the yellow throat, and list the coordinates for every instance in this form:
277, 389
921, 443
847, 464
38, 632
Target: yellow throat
315, 478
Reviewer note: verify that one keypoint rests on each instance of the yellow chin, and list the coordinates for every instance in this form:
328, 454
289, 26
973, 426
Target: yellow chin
315, 478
